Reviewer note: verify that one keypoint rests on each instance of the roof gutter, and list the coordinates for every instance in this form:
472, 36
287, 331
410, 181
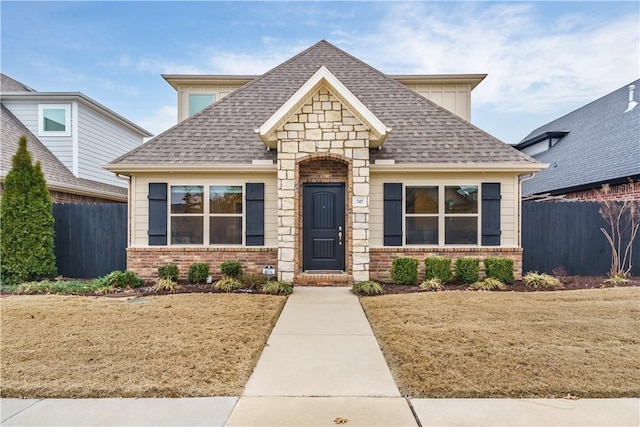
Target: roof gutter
458, 167
183, 168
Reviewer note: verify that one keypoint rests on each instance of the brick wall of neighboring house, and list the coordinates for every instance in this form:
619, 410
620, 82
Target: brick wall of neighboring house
627, 191
59, 197
381, 259
145, 261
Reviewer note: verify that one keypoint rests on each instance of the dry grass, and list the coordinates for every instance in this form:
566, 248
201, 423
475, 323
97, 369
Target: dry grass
490, 344
168, 346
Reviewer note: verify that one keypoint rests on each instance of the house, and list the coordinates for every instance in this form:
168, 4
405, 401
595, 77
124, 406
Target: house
72, 136
327, 169
594, 145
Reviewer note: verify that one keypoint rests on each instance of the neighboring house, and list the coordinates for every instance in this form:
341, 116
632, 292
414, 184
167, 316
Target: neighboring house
326, 169
72, 136
592, 146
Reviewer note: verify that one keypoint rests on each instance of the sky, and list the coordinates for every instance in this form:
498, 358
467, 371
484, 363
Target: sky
543, 59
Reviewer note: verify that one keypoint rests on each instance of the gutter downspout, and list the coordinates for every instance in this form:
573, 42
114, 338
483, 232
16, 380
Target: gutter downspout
521, 179
128, 179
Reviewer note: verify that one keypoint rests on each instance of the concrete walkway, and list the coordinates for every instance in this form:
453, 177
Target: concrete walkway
321, 366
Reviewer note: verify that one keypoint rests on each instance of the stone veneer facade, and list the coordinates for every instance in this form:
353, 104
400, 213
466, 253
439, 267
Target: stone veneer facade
323, 137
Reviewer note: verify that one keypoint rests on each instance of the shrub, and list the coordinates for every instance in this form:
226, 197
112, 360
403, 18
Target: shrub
499, 268
617, 279
26, 218
368, 287
228, 284
541, 281
438, 267
70, 287
404, 271
253, 280
488, 284
433, 284
198, 272
276, 287
120, 279
231, 269
169, 271
467, 270
165, 284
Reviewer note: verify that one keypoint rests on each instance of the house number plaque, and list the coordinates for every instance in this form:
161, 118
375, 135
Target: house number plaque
359, 201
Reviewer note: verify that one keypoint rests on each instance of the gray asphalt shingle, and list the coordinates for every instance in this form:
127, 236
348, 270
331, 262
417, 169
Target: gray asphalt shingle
603, 144
422, 131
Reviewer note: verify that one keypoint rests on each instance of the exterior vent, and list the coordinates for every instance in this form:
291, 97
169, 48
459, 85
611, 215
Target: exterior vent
632, 102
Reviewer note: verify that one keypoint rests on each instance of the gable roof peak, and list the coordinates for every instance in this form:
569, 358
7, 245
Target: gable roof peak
323, 77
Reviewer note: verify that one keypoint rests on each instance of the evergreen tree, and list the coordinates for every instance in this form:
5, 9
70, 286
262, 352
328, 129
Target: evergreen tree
26, 222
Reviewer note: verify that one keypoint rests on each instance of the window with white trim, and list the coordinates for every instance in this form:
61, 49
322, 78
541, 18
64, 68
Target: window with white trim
54, 119
224, 212
441, 215
199, 101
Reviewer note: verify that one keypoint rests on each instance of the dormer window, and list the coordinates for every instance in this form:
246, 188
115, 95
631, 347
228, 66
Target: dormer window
54, 119
199, 101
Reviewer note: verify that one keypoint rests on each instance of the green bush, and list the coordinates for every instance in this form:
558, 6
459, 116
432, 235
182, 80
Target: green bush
231, 269
275, 287
488, 284
467, 270
368, 287
438, 267
120, 279
541, 281
499, 268
253, 280
26, 222
68, 287
404, 271
198, 272
228, 284
169, 272
433, 284
164, 284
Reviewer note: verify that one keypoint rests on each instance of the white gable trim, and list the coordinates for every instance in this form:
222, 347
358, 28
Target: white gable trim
323, 77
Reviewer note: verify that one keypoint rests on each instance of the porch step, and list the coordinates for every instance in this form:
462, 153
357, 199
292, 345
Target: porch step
323, 278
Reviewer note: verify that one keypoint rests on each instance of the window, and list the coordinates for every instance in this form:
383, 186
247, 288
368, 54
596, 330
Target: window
187, 215
199, 101
225, 221
54, 119
441, 215
224, 212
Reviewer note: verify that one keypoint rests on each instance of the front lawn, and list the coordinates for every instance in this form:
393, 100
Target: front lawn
161, 346
511, 344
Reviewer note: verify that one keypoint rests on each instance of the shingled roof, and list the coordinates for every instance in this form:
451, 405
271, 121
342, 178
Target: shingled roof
422, 132
602, 146
58, 177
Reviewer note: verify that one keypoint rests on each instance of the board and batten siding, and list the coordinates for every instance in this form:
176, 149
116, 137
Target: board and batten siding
101, 140
60, 146
509, 205
140, 203
456, 99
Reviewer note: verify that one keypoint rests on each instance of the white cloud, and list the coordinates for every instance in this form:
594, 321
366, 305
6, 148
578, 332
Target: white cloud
534, 63
160, 120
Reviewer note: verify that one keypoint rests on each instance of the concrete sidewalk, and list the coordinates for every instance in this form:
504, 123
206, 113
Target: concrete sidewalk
322, 364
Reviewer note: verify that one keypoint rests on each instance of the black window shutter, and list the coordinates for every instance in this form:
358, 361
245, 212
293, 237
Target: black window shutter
393, 214
157, 213
255, 214
491, 214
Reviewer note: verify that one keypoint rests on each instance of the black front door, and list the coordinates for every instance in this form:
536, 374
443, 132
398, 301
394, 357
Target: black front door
323, 231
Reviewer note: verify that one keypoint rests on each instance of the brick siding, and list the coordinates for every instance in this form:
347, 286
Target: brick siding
620, 192
145, 261
382, 258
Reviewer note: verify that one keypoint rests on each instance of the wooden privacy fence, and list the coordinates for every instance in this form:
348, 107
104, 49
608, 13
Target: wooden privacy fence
90, 239
567, 235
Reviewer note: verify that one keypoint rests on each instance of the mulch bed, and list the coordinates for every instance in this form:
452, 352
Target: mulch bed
570, 283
